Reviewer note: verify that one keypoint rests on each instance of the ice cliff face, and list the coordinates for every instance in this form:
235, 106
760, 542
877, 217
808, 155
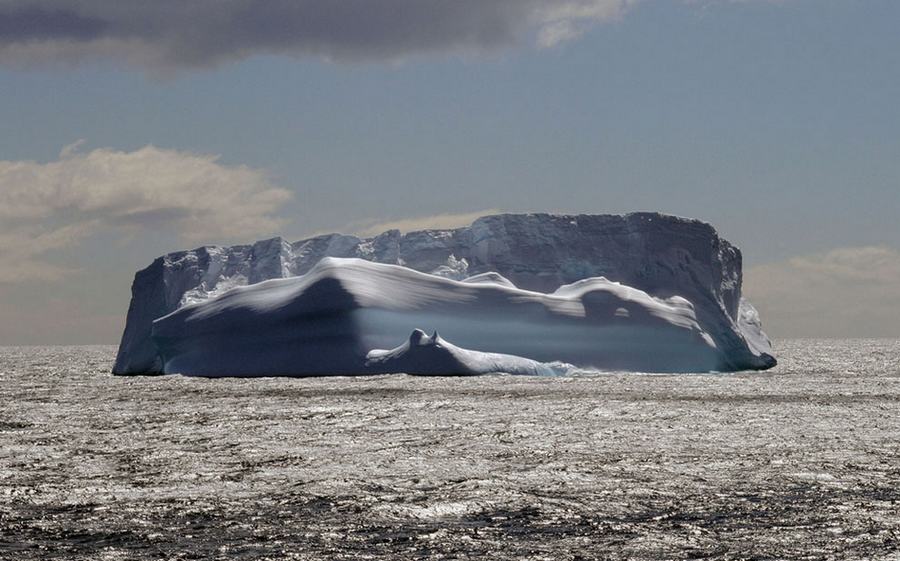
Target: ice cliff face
661, 255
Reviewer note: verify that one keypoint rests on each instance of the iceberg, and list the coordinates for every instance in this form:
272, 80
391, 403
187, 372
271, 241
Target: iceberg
522, 294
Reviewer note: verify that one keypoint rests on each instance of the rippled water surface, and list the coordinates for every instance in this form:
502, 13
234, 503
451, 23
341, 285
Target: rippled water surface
802, 462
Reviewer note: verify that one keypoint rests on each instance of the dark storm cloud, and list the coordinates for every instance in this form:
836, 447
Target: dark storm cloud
186, 33
34, 23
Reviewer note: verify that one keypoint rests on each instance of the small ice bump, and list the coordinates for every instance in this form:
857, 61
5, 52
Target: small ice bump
417, 337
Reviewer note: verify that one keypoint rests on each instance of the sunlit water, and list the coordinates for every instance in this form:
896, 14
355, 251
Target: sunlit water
800, 462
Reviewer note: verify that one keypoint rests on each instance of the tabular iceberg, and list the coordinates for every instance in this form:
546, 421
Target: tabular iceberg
526, 294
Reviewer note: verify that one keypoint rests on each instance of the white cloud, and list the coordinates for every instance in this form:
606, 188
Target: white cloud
436, 221
845, 292
874, 265
566, 21
46, 207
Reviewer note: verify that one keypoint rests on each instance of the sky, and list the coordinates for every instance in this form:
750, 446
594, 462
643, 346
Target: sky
133, 128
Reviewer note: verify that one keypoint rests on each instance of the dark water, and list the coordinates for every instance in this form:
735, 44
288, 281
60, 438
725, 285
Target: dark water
799, 463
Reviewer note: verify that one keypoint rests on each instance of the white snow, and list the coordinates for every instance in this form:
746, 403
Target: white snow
456, 269
750, 327
490, 277
424, 355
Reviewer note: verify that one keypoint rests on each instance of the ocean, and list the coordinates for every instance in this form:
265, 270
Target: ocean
800, 462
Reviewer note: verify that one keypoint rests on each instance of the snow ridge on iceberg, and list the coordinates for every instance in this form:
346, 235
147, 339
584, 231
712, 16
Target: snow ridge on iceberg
331, 319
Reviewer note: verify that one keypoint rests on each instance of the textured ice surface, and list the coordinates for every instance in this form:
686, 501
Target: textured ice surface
796, 463
329, 320
424, 355
663, 256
